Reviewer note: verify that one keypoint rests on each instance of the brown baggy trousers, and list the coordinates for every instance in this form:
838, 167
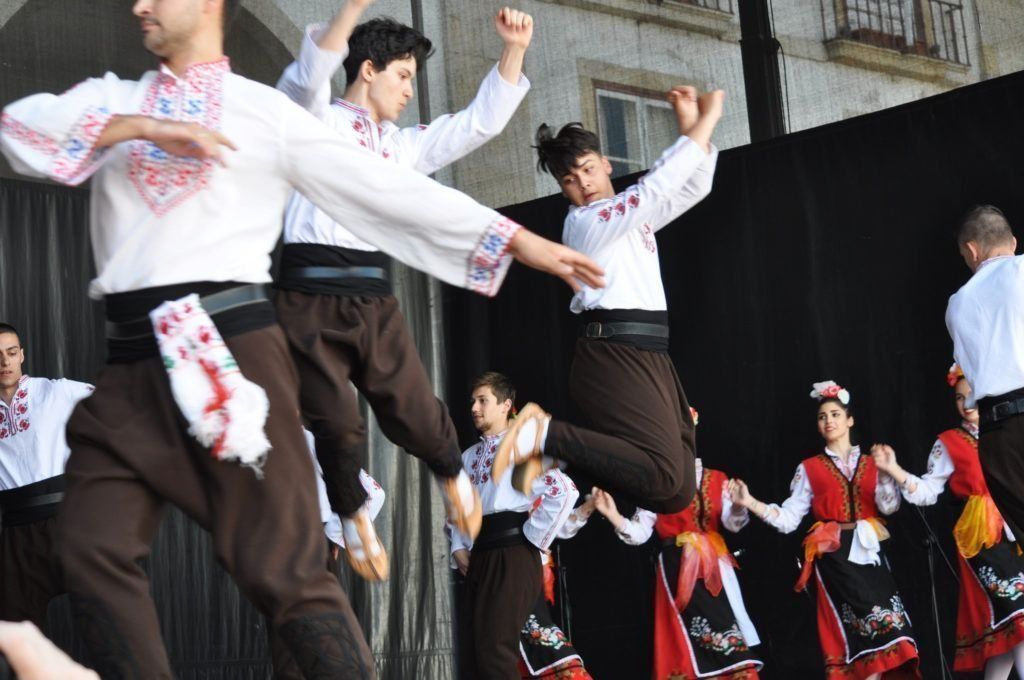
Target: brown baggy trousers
29, 571
130, 454
363, 340
1001, 451
502, 586
642, 442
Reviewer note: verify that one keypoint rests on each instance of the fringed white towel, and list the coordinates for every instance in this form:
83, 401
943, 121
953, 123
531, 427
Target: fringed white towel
225, 412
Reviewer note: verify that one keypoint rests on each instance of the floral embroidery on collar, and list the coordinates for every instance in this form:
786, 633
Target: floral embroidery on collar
483, 458
970, 428
14, 419
368, 133
165, 181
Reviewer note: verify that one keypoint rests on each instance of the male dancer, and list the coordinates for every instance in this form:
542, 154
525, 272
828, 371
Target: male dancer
642, 444
336, 304
182, 243
985, 318
502, 566
33, 414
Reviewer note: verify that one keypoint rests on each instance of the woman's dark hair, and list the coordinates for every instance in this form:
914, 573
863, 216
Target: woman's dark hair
847, 409
557, 154
382, 41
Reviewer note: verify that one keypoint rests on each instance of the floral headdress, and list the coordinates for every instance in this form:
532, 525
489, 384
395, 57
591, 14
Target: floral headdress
954, 375
695, 416
830, 390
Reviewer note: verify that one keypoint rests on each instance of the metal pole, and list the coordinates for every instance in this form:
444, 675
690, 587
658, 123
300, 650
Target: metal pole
759, 50
423, 82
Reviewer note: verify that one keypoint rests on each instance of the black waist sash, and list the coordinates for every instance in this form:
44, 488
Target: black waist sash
501, 530
32, 502
133, 308
333, 270
999, 407
644, 329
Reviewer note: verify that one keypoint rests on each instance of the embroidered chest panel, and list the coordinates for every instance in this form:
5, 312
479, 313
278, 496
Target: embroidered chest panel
14, 419
366, 133
483, 459
165, 181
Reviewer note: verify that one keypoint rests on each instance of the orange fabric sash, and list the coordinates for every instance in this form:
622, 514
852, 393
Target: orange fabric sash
822, 538
701, 552
980, 526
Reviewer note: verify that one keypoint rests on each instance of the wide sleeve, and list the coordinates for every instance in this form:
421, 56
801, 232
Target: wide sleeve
55, 136
677, 182
423, 224
786, 517
454, 135
925, 490
734, 517
554, 496
75, 391
637, 529
576, 520
307, 80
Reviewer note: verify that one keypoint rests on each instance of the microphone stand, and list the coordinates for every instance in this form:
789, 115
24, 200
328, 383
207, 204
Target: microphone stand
931, 542
563, 593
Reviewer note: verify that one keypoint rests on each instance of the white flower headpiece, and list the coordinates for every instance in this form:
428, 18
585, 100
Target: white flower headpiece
830, 390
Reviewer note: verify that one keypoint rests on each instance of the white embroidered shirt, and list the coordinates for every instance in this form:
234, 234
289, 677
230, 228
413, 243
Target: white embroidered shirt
32, 444
553, 497
423, 148
159, 219
618, 233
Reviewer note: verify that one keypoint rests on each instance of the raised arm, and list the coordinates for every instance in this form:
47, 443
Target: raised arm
453, 136
786, 517
64, 137
917, 490
633, 531
307, 80
418, 221
734, 516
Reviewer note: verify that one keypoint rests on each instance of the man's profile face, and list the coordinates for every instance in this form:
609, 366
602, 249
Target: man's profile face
391, 88
589, 180
12, 356
486, 410
168, 25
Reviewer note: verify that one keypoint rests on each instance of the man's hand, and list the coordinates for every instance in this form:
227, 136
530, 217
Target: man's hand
683, 99
33, 657
461, 558
515, 28
547, 256
187, 139
605, 505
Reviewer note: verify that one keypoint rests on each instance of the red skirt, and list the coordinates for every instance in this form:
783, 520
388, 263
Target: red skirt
990, 614
862, 625
703, 641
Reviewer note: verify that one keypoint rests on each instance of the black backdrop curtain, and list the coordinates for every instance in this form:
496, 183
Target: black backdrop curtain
823, 254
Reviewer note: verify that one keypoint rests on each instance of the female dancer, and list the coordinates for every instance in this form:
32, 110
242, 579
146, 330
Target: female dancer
863, 627
701, 627
990, 615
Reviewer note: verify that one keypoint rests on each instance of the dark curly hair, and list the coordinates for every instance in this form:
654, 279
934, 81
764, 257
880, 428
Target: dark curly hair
382, 41
557, 154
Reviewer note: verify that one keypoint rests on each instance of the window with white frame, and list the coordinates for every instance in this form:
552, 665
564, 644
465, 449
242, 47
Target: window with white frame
634, 129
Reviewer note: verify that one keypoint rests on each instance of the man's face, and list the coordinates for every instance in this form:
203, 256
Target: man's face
169, 25
391, 89
12, 356
589, 180
486, 410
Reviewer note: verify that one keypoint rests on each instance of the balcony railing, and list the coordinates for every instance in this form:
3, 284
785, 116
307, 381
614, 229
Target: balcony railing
929, 28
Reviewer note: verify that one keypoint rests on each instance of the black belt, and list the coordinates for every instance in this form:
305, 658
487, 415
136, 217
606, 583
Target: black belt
32, 502
212, 304
596, 329
292, 273
1001, 410
501, 530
